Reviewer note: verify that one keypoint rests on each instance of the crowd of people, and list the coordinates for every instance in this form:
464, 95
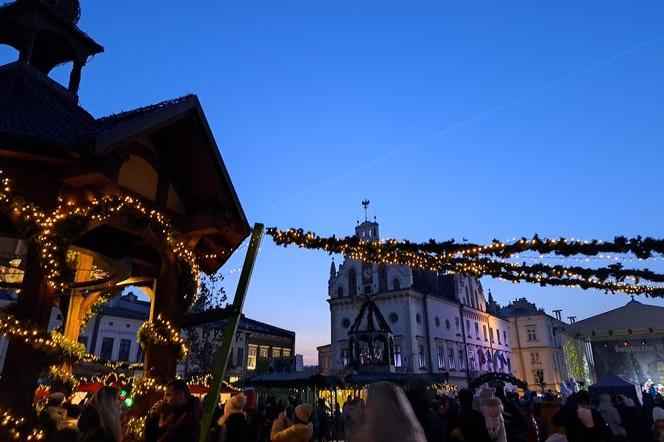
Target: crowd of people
390, 414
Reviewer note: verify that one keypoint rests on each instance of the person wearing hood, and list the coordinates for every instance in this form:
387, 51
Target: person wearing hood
233, 422
492, 409
176, 418
611, 416
300, 430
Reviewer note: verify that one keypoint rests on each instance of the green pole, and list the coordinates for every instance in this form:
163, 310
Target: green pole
224, 349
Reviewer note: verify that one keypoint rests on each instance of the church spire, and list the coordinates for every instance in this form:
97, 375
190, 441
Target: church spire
333, 269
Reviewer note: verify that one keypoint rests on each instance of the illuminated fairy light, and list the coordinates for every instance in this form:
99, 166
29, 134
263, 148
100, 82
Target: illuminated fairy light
490, 260
162, 332
15, 426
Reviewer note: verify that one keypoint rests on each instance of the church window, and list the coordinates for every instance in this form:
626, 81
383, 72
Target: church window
352, 283
418, 318
396, 285
340, 292
394, 318
345, 323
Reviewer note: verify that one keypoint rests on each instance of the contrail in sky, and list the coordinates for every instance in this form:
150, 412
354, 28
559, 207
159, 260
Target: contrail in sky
478, 117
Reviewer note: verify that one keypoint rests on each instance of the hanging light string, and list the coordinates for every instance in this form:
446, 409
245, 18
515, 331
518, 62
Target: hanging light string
17, 429
489, 260
161, 332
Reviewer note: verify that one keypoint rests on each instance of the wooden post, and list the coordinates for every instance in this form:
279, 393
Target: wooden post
221, 358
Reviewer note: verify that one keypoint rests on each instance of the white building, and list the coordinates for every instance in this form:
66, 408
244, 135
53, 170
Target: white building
538, 345
438, 323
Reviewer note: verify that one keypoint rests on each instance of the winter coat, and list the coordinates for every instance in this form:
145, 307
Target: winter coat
90, 427
547, 411
472, 426
297, 432
235, 428
612, 418
182, 424
575, 430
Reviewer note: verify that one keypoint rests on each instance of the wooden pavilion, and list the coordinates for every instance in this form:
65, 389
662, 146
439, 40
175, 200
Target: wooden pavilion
163, 156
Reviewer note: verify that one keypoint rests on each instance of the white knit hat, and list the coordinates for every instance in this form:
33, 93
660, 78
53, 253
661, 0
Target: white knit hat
658, 414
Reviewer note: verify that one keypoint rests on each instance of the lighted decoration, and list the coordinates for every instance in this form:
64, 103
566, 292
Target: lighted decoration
16, 428
60, 374
162, 332
144, 385
493, 259
136, 429
94, 309
71, 219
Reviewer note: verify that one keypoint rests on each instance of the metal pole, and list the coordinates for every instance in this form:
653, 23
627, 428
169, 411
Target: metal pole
223, 351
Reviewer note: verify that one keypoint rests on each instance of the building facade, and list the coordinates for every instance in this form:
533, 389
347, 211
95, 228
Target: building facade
438, 323
111, 334
539, 343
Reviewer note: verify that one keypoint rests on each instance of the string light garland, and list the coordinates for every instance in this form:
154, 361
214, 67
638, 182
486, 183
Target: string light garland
60, 374
161, 332
489, 260
70, 220
146, 384
94, 309
16, 427
136, 428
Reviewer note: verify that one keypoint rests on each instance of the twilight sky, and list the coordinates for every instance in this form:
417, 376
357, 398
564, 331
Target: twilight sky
475, 119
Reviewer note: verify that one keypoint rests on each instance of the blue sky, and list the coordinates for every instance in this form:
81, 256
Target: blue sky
475, 119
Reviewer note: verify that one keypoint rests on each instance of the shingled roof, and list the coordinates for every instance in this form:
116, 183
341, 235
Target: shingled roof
41, 114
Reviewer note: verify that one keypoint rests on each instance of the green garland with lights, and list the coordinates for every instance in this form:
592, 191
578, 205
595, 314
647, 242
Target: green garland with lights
491, 259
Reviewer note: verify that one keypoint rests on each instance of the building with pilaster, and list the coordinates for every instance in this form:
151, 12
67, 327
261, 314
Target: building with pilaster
433, 323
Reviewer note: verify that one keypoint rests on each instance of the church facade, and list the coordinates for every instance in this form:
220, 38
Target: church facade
433, 324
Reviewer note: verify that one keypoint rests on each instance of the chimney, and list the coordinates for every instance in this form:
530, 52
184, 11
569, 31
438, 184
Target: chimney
572, 319
559, 314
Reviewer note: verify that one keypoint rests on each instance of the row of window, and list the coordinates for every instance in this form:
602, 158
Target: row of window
106, 351
352, 285
262, 352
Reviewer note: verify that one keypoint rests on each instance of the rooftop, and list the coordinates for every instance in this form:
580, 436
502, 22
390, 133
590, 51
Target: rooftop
632, 316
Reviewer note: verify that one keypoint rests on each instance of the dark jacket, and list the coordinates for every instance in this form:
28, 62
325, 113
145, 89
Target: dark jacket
429, 420
181, 424
90, 427
235, 429
574, 428
472, 425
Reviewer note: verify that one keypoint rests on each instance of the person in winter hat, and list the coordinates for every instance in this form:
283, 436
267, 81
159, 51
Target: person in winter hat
233, 422
492, 409
658, 426
300, 430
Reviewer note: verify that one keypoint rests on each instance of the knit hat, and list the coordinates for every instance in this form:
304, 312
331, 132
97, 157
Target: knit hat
658, 414
303, 412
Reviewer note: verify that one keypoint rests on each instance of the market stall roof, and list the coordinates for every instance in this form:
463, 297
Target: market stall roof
615, 384
300, 379
633, 316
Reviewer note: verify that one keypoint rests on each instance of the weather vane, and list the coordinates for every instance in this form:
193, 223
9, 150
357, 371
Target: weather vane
365, 204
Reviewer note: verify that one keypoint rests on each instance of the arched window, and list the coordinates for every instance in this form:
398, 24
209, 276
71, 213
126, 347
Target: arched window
352, 283
396, 285
340, 292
